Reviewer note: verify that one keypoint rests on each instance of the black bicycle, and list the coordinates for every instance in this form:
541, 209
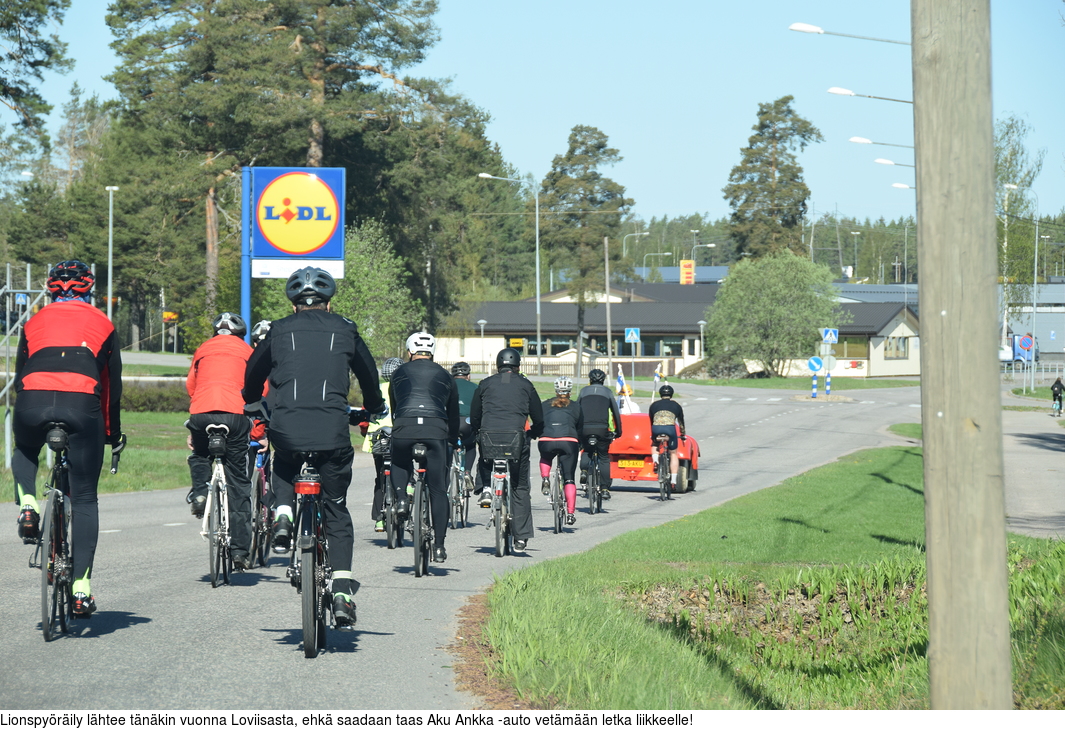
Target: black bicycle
421, 522
459, 488
664, 488
503, 449
381, 445
558, 498
52, 553
592, 488
308, 568
262, 513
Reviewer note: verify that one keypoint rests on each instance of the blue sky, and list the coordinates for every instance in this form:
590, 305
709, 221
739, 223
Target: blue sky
676, 87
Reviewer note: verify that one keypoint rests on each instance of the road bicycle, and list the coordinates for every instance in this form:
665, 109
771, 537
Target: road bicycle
592, 487
381, 445
308, 569
1056, 408
421, 524
504, 450
215, 527
262, 513
458, 488
52, 553
662, 467
558, 498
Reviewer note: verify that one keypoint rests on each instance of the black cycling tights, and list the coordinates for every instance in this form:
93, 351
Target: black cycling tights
34, 410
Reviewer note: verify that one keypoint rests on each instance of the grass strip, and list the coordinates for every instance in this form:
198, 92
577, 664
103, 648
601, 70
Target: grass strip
803, 383
807, 595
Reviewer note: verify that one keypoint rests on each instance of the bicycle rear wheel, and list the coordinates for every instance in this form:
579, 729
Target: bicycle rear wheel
311, 602
419, 516
663, 476
499, 518
593, 487
392, 523
558, 500
454, 497
214, 534
264, 521
56, 601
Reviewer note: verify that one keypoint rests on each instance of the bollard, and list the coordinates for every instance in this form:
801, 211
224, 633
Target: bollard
813, 393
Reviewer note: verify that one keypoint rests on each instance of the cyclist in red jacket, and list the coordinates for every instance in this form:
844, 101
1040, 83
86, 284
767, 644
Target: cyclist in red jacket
214, 383
68, 369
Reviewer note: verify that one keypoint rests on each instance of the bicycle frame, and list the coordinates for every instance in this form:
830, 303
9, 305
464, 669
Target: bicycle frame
501, 506
311, 581
595, 494
664, 486
419, 516
52, 553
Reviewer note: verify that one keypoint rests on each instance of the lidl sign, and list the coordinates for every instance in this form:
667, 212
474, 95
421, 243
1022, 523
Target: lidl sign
297, 214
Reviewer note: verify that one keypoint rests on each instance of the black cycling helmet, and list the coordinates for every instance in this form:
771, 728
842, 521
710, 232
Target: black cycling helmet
228, 323
70, 279
460, 368
508, 357
666, 391
596, 377
310, 286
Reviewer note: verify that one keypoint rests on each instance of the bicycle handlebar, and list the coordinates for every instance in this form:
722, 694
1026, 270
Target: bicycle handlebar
116, 452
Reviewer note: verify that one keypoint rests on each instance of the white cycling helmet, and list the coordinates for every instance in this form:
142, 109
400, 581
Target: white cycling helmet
421, 343
563, 385
258, 332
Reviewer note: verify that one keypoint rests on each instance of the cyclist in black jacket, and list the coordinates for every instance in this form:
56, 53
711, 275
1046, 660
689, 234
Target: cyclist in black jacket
425, 409
667, 418
503, 402
601, 418
563, 422
307, 357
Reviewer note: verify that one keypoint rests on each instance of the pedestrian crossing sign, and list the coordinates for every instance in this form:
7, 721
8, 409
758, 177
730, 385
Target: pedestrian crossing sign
632, 334
829, 336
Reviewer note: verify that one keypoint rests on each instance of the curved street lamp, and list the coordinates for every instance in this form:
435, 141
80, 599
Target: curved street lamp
863, 140
536, 196
667, 253
882, 161
847, 92
626, 237
807, 28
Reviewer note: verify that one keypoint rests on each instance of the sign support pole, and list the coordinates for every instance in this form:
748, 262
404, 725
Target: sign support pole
813, 393
246, 218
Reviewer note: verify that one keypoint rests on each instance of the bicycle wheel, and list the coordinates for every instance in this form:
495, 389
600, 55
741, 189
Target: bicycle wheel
264, 521
508, 516
56, 600
593, 486
663, 476
310, 600
214, 533
421, 530
499, 518
454, 497
558, 500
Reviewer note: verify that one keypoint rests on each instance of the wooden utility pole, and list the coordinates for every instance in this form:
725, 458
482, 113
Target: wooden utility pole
961, 410
609, 334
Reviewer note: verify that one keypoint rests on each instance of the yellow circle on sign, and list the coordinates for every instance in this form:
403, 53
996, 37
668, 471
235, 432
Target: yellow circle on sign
297, 213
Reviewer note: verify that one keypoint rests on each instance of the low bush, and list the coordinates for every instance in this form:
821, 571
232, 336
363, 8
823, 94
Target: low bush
158, 397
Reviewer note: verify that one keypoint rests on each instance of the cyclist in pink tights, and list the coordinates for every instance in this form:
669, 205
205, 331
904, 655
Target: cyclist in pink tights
563, 422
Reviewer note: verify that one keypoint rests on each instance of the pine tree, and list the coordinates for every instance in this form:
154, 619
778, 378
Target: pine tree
766, 190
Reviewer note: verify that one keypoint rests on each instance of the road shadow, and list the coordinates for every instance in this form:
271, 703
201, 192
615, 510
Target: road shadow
435, 569
1052, 524
1048, 441
803, 523
103, 623
338, 642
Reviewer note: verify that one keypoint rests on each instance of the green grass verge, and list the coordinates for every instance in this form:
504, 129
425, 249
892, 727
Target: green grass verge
158, 370
838, 383
807, 595
908, 430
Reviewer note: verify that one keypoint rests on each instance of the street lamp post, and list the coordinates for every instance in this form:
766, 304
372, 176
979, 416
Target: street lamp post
482, 323
702, 245
701, 323
856, 234
863, 140
667, 253
847, 92
694, 233
624, 251
882, 161
110, 245
536, 197
807, 28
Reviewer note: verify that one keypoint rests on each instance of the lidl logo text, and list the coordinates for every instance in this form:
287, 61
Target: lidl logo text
297, 213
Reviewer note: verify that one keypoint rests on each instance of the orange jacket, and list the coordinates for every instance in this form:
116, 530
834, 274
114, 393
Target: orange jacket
216, 377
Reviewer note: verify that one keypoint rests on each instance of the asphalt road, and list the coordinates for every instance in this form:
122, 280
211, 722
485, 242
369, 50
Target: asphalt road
164, 639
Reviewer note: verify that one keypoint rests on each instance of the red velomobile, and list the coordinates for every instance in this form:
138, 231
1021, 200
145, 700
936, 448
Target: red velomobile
630, 455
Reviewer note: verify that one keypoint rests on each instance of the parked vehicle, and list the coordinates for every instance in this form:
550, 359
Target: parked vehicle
1013, 352
630, 455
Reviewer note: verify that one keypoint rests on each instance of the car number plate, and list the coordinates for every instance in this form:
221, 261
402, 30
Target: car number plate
631, 463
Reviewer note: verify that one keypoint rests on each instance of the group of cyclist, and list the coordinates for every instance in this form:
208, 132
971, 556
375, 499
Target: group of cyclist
69, 370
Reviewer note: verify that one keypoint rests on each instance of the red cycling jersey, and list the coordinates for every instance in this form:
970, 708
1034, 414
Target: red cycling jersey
71, 347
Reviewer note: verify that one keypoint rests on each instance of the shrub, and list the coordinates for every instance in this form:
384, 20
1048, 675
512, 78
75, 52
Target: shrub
161, 397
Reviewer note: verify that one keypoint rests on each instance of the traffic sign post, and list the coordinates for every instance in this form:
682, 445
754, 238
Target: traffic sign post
815, 364
632, 337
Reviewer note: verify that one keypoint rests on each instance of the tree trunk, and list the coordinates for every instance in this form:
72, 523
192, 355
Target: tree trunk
212, 252
580, 340
315, 143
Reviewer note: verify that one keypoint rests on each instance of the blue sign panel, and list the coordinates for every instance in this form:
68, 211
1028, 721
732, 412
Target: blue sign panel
632, 334
815, 364
297, 213
829, 336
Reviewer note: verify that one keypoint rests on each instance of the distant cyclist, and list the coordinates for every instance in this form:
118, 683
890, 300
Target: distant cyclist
1056, 390
307, 357
563, 422
214, 384
68, 369
601, 419
425, 409
388, 367
503, 402
667, 417
466, 388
